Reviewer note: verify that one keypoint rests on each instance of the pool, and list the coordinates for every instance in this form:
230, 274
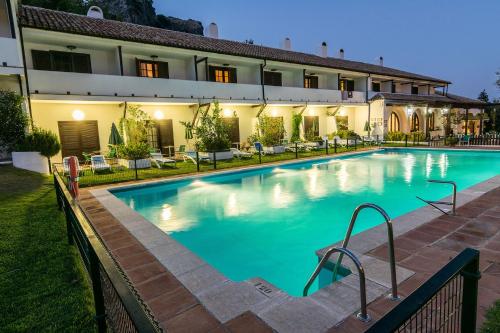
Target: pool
269, 222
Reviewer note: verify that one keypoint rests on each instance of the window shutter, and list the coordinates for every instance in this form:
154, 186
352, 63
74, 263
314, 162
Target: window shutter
232, 75
211, 73
138, 67
350, 85
163, 70
81, 63
41, 60
62, 61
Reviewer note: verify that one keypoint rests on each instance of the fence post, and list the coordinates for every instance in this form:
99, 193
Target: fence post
355, 143
260, 154
215, 160
197, 161
471, 277
406, 140
335, 145
95, 275
378, 142
347, 144
296, 150
135, 168
58, 197
326, 145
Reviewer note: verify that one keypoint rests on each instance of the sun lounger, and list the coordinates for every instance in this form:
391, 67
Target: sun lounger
191, 156
240, 154
98, 163
160, 160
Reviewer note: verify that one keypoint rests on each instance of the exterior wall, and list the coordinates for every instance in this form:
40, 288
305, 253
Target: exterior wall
9, 82
4, 20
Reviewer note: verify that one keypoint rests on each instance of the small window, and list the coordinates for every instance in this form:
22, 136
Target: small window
153, 69
272, 79
61, 61
393, 88
311, 82
414, 90
376, 86
393, 122
414, 123
346, 85
222, 74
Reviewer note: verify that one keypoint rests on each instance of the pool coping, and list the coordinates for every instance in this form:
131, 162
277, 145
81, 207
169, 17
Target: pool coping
226, 299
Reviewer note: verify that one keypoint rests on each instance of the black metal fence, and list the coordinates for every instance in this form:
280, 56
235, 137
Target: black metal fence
117, 305
447, 302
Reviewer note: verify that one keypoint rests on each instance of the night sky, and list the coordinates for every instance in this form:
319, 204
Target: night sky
456, 40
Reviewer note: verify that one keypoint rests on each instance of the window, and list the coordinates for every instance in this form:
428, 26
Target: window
431, 121
393, 88
376, 86
61, 61
414, 123
311, 127
233, 124
342, 123
222, 74
346, 85
78, 137
161, 136
394, 122
272, 79
155, 69
311, 82
414, 90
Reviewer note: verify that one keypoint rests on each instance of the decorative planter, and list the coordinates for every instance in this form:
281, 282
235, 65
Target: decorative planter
219, 155
274, 149
130, 164
30, 160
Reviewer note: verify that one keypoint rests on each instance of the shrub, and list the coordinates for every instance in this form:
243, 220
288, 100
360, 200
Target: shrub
417, 136
44, 141
134, 151
271, 130
13, 119
395, 136
296, 122
212, 133
344, 134
134, 127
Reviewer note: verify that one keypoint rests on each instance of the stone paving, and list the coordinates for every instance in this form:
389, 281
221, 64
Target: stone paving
427, 248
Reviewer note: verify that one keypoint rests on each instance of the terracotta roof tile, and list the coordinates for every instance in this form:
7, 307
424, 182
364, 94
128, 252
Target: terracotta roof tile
40, 18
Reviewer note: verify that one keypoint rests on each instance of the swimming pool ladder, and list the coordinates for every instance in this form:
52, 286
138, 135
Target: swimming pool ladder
390, 241
363, 314
452, 203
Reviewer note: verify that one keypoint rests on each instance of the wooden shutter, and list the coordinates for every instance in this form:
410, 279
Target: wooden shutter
138, 67
41, 60
350, 85
78, 136
165, 132
234, 128
211, 73
62, 61
232, 75
272, 79
163, 70
81, 63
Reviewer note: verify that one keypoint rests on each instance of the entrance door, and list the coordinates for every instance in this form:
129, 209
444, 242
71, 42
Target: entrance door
78, 137
234, 129
161, 136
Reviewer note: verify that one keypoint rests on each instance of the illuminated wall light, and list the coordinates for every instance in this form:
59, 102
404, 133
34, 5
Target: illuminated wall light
158, 115
312, 112
342, 112
78, 115
228, 113
274, 113
409, 110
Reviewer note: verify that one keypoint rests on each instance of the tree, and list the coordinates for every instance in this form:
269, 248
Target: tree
13, 119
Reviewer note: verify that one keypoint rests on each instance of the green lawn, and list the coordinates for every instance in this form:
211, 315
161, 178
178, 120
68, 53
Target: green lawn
43, 283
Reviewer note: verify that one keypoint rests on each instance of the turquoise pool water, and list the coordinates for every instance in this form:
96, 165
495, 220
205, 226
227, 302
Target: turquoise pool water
269, 222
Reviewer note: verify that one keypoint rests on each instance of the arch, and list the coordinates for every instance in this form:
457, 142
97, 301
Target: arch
394, 123
414, 122
431, 121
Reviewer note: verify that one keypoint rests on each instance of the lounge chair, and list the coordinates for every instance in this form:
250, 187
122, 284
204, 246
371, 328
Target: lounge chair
98, 163
240, 154
66, 166
160, 160
191, 156
258, 147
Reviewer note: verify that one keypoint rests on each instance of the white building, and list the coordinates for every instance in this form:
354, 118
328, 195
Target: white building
80, 73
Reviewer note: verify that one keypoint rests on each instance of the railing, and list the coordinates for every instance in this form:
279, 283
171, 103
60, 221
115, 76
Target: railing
363, 314
447, 302
452, 203
117, 306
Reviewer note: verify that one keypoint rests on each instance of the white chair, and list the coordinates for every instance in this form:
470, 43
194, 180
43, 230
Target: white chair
160, 160
98, 163
191, 156
240, 154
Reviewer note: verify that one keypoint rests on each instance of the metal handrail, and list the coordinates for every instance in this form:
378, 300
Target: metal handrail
362, 315
390, 236
452, 203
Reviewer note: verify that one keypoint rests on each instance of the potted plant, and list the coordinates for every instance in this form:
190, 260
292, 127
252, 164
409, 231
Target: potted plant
212, 135
271, 132
13, 121
134, 155
35, 150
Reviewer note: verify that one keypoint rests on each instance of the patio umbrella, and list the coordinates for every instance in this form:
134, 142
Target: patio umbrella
114, 136
188, 135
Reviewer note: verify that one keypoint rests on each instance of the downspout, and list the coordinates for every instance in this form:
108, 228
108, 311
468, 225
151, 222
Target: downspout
120, 58
262, 66
481, 122
369, 105
466, 121
196, 67
28, 92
